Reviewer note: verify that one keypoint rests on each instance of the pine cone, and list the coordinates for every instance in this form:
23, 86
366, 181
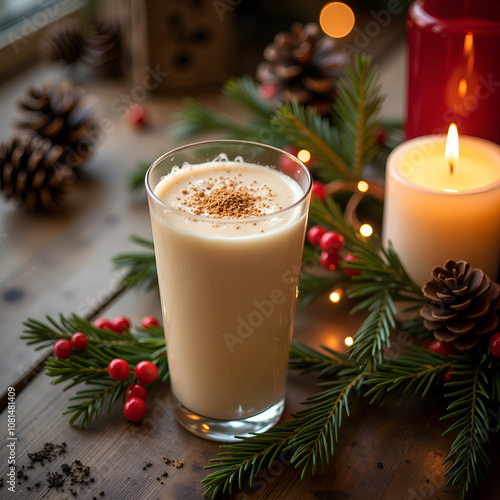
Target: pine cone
462, 304
303, 65
31, 172
103, 50
64, 114
63, 41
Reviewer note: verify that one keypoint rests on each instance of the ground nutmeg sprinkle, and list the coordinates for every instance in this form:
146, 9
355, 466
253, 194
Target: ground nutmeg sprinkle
226, 199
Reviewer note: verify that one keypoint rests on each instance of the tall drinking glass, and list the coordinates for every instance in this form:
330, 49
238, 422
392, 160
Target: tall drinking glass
228, 221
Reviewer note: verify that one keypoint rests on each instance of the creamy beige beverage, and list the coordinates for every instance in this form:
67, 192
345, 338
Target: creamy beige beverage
228, 259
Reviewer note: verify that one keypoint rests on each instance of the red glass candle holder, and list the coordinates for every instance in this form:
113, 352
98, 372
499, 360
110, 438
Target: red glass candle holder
453, 67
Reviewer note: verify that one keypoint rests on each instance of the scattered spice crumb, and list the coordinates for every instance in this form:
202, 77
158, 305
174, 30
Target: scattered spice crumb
49, 452
380, 465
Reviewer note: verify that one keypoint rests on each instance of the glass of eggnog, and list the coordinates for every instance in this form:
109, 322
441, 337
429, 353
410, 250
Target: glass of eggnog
228, 221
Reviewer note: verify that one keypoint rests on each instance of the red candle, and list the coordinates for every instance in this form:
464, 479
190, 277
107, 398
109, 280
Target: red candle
453, 67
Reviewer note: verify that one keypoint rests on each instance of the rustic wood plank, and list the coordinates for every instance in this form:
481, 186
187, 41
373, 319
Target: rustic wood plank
383, 453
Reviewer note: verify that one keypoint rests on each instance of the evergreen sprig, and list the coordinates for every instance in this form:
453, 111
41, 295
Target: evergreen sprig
356, 110
196, 118
469, 392
414, 372
346, 143
140, 267
88, 368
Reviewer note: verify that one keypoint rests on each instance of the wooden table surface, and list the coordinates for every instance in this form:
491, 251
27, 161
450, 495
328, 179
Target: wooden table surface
61, 263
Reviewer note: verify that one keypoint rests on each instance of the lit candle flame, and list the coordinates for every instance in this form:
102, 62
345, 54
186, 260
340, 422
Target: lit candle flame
451, 149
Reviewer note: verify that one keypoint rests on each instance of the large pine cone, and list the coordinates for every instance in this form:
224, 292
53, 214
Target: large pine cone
304, 65
63, 41
462, 304
64, 114
104, 50
31, 172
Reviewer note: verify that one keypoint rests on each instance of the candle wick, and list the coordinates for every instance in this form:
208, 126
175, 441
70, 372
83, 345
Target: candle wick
451, 167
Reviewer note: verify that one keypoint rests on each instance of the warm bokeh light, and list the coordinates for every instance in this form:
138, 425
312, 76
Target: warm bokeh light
363, 186
336, 19
451, 149
336, 295
462, 88
304, 155
366, 230
348, 341
468, 43
205, 427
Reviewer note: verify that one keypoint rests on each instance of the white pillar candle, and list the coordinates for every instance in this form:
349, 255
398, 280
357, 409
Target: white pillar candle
432, 214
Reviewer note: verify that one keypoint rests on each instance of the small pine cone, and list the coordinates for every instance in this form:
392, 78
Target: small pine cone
303, 65
462, 304
31, 172
64, 114
63, 41
103, 50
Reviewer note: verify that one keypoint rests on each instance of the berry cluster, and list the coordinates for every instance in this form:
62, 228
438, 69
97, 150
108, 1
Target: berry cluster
331, 244
145, 371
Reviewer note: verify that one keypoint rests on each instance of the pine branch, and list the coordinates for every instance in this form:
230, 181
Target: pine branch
374, 334
307, 129
319, 424
470, 395
307, 359
88, 368
415, 371
246, 458
245, 91
379, 269
140, 267
356, 110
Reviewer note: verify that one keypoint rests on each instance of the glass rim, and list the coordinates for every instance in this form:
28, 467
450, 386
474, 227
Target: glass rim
223, 220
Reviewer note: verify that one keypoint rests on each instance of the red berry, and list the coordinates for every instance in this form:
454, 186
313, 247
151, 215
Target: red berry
495, 345
268, 91
146, 372
318, 189
314, 234
136, 115
103, 324
350, 272
118, 369
380, 136
328, 261
149, 321
120, 324
287, 164
427, 344
447, 374
79, 341
134, 409
443, 348
137, 391
62, 349
331, 242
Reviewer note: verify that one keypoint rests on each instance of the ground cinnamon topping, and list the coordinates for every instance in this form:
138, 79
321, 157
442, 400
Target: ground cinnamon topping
230, 200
